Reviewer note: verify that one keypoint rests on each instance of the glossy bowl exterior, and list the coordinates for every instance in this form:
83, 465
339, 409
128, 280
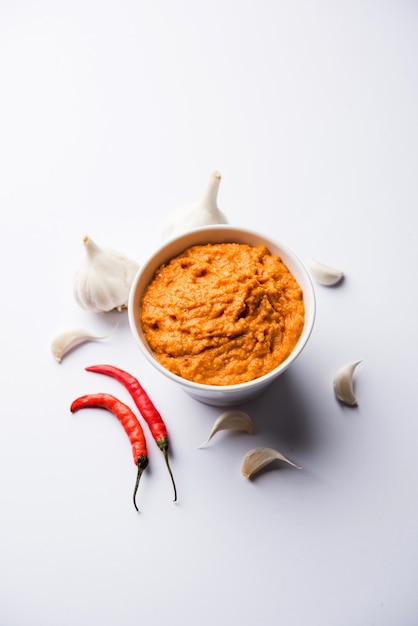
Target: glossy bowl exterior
213, 394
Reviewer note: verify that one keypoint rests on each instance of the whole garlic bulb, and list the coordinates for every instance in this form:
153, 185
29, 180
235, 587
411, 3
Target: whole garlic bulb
202, 213
103, 279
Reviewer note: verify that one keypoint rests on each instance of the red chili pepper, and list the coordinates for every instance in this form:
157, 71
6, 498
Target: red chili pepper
129, 422
145, 406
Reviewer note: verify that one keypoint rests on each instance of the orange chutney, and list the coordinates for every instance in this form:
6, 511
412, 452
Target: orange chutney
222, 314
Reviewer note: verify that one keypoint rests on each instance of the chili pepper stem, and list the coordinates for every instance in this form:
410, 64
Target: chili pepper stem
163, 445
141, 465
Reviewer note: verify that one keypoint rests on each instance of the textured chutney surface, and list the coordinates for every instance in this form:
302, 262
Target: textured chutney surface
222, 314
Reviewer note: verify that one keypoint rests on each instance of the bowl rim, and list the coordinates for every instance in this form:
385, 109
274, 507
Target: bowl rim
307, 289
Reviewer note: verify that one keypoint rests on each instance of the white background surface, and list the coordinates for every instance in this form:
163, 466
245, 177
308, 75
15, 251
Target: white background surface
111, 115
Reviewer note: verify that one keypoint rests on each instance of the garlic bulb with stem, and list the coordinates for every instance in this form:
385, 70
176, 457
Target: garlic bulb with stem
103, 279
202, 213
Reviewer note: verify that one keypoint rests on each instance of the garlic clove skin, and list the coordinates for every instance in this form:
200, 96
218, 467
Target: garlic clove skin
231, 420
343, 384
324, 274
256, 459
103, 279
202, 213
68, 340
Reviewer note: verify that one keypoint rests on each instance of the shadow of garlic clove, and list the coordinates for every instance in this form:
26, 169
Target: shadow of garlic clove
231, 420
343, 383
256, 459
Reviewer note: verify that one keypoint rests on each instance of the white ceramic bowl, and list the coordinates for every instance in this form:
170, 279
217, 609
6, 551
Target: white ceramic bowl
213, 394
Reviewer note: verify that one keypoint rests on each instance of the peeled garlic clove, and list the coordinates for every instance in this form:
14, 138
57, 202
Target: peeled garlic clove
258, 458
202, 213
103, 279
66, 341
324, 274
343, 384
231, 420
